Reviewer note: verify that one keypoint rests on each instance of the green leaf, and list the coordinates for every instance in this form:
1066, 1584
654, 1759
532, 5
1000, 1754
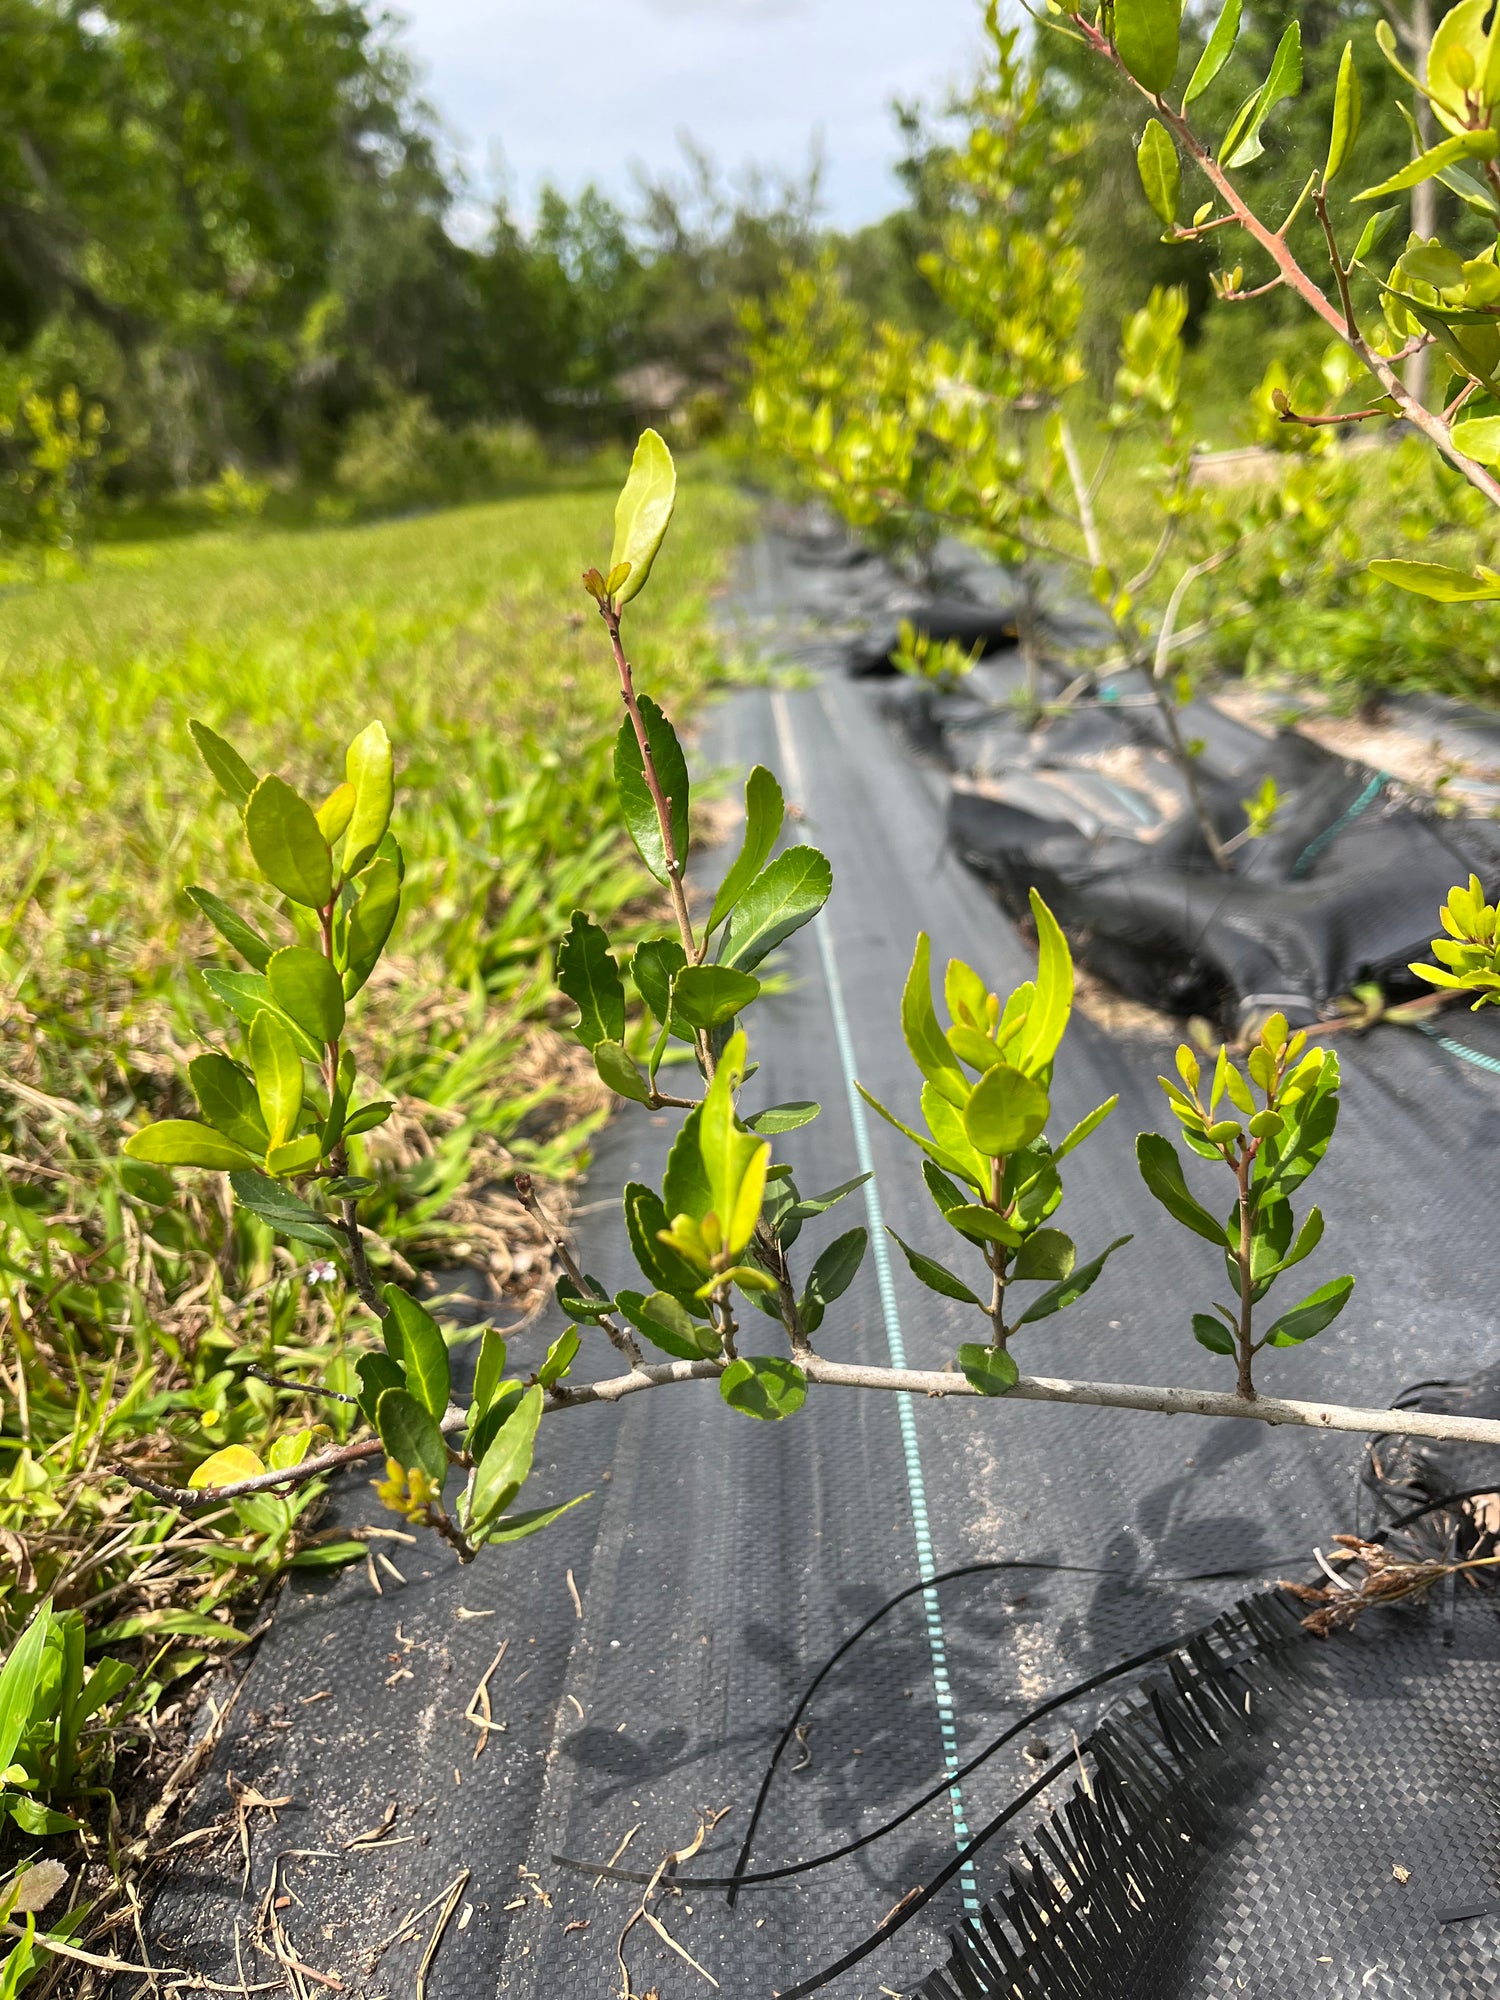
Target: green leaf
590, 978
289, 850
1160, 170
370, 769
1309, 1236
761, 1385
935, 1276
286, 1212
655, 965
787, 1117
420, 1347
832, 1275
410, 1435
668, 1324
277, 1062
1317, 1310
247, 994
1072, 1288
329, 1555
1212, 1334
1006, 1112
764, 811
244, 937
1372, 233
991, 1370
1284, 79
295, 1156
1161, 1170
706, 996
735, 1161
226, 1097
574, 1304
685, 1187
1046, 1253
373, 917
1084, 1128
18, 1680
503, 1470
1481, 145
36, 1819
516, 1527
1146, 34
1218, 51
367, 1118
559, 1358
1447, 586
232, 774
982, 1225
489, 1371
642, 513
781, 899
1479, 438
925, 1041
637, 807
806, 1206
1047, 1016
620, 1073
308, 990
182, 1142
335, 813
377, 1373
1346, 115
645, 1218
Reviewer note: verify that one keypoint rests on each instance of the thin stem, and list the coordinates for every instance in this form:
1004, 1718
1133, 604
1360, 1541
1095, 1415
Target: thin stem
620, 1337
659, 799
359, 1265
1082, 494
1244, 1342
774, 1258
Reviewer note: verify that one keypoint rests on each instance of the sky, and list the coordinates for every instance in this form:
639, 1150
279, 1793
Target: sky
577, 90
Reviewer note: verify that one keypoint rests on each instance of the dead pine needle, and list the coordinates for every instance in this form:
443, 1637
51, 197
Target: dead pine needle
573, 1593
456, 1889
643, 1912
479, 1711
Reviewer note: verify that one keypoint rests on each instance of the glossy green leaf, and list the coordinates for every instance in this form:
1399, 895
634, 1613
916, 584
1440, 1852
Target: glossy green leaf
925, 1041
575, 1304
367, 1118
590, 978
655, 965
295, 1156
765, 809
783, 897
516, 1527
686, 1188
1284, 79
1160, 170
409, 1432
560, 1356
289, 850
277, 1062
415, 1337
373, 916
1309, 1236
489, 1371
18, 1681
637, 807
1219, 48
1483, 144
707, 996
182, 1142
789, 1117
763, 1386
643, 512
990, 1370
645, 1219
1084, 1128
1161, 1170
377, 1373
1447, 586
232, 774
1046, 1253
1007, 1110
335, 813
247, 994
1047, 1016
1146, 34
1479, 438
1072, 1288
307, 989
226, 1097
503, 1470
233, 928
832, 1275
1347, 106
667, 1324
370, 769
615, 1066
935, 1276
286, 1212
983, 1225
735, 1161
1311, 1315
806, 1206
1213, 1334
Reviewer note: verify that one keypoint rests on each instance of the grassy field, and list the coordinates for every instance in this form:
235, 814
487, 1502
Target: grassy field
129, 1312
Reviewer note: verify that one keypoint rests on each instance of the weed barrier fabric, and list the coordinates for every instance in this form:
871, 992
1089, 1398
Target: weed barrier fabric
722, 1561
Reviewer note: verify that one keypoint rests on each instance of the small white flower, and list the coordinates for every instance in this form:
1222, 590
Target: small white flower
322, 1272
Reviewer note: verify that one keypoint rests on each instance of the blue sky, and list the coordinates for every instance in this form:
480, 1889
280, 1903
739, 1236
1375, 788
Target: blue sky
580, 90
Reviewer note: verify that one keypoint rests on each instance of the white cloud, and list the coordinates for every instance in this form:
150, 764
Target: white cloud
579, 90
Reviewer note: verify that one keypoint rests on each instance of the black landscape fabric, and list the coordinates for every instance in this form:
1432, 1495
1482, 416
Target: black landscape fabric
640, 1659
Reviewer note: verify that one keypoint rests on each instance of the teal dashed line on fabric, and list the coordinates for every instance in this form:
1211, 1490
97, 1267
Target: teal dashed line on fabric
1475, 1056
1330, 834
911, 1452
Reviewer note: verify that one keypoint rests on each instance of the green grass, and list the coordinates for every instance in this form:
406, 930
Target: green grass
130, 1310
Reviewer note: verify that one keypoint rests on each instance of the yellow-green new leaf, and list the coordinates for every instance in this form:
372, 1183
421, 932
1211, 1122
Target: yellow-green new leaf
1481, 145
289, 849
1447, 586
925, 1040
1006, 1112
642, 513
1146, 37
182, 1142
1346, 115
226, 1468
1479, 438
277, 1063
336, 811
1283, 80
1047, 1016
1160, 170
305, 986
1220, 47
370, 768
